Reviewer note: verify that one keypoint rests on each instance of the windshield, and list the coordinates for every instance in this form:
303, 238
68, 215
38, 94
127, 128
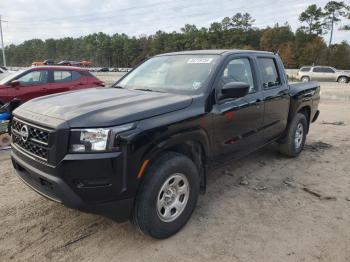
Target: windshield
174, 73
10, 77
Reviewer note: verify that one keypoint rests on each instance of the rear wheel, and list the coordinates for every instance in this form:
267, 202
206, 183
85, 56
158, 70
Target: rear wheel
343, 79
296, 136
167, 196
305, 79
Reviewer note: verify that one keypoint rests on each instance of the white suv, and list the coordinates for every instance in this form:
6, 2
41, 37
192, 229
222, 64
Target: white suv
323, 74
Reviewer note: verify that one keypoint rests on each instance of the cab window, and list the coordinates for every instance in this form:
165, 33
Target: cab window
34, 78
238, 70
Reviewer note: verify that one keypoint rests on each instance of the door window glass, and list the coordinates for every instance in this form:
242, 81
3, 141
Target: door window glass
238, 70
323, 70
34, 78
62, 76
269, 73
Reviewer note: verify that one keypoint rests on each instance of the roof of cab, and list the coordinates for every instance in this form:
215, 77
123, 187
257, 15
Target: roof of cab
216, 52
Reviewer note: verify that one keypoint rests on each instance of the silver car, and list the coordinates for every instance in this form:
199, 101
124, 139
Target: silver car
323, 74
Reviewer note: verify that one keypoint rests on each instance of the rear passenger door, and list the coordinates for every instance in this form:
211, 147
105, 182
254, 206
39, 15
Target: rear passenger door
275, 95
60, 81
321, 73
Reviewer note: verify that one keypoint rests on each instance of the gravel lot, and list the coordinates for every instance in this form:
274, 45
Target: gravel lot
261, 208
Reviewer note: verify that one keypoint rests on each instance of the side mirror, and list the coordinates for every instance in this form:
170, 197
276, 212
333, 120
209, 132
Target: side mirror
15, 83
234, 90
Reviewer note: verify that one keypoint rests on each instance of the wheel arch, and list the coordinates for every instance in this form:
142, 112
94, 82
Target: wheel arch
306, 111
193, 145
305, 76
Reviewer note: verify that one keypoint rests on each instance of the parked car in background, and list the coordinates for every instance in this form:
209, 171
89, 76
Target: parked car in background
86, 63
69, 63
103, 69
45, 62
45, 80
323, 73
49, 62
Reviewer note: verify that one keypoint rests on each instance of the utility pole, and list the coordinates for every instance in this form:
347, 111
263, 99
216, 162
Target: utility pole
2, 42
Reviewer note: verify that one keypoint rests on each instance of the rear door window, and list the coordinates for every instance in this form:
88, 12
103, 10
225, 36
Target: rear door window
62, 76
269, 73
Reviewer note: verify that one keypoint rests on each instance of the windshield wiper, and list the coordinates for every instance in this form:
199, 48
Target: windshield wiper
148, 90
118, 87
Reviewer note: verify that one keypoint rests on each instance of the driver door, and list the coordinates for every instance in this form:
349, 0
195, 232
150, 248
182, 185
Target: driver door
237, 121
31, 85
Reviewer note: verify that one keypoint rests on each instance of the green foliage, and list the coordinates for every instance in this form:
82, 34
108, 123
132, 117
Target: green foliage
339, 56
304, 47
312, 17
333, 12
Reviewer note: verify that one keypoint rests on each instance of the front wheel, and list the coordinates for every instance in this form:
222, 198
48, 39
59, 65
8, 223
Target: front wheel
296, 136
305, 79
168, 196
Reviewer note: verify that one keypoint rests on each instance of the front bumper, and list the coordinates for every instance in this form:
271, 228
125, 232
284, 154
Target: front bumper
90, 183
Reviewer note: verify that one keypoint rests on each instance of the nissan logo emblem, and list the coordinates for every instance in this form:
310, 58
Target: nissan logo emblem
24, 133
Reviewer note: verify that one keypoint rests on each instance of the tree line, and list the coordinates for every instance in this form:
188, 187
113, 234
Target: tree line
306, 46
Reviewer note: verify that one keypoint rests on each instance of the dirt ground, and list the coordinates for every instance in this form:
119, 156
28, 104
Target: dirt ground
264, 207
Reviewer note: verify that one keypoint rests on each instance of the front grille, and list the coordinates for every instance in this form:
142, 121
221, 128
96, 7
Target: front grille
31, 138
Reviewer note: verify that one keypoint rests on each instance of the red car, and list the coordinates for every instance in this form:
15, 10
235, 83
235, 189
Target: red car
45, 80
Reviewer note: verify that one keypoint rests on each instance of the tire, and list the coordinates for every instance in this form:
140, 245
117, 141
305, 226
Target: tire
343, 79
296, 136
305, 79
154, 212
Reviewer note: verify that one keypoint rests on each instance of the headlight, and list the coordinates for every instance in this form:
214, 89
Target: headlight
95, 140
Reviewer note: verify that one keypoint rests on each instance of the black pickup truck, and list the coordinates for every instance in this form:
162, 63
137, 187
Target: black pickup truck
141, 149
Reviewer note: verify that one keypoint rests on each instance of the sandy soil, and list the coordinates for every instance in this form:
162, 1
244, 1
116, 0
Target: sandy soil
275, 217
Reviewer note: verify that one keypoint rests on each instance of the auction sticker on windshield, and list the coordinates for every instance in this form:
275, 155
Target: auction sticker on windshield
199, 60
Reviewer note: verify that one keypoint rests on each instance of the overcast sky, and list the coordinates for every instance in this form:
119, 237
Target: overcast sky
28, 19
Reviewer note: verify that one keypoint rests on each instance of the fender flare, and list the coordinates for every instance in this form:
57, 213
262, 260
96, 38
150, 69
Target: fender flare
190, 140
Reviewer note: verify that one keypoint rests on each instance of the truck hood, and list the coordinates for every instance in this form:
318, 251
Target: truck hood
103, 107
